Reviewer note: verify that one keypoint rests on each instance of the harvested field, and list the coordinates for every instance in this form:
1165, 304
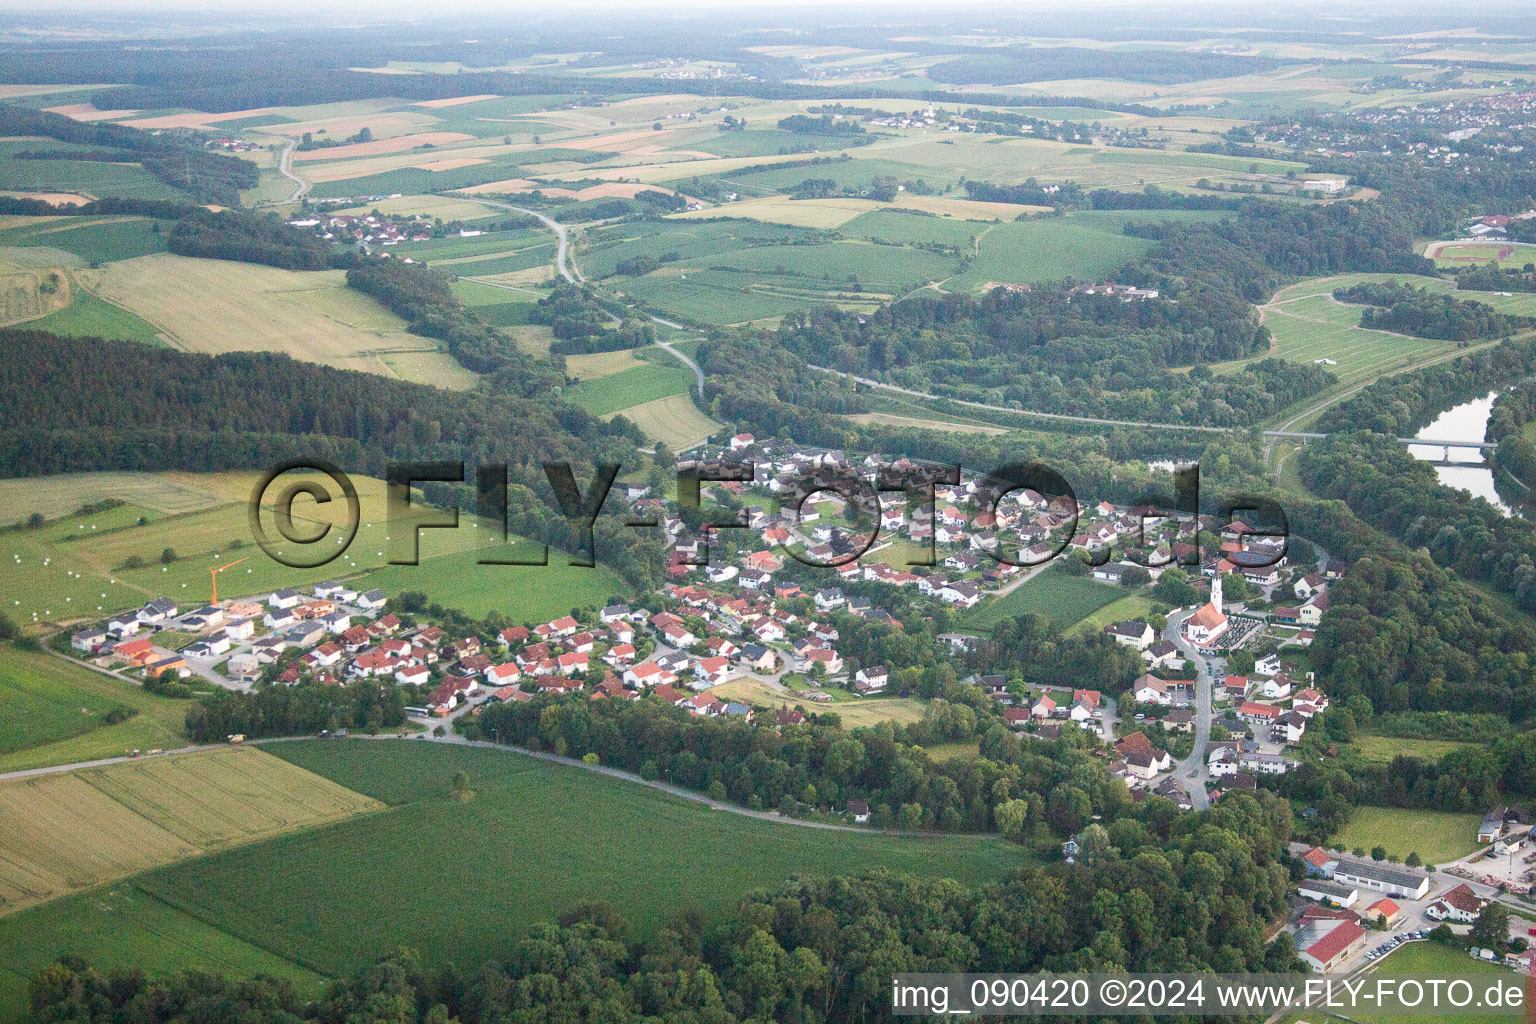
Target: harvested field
195, 119
452, 164
60, 833
505, 185
454, 101
854, 713
674, 421
890, 420
55, 496
56, 198
964, 209
600, 364
379, 147
26, 294
804, 213
218, 798
217, 306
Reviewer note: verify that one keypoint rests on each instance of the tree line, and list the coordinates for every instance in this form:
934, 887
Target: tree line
1061, 784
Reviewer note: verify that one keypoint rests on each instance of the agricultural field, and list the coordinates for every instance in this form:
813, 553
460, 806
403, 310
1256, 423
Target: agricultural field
332, 898
604, 247
219, 306
1135, 605
1061, 598
93, 239
60, 495
913, 229
93, 178
1436, 836
69, 831
887, 419
224, 797
58, 712
27, 293
87, 316
1085, 246
676, 421
641, 384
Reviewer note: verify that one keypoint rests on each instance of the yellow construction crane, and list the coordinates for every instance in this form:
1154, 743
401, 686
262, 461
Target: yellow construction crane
213, 574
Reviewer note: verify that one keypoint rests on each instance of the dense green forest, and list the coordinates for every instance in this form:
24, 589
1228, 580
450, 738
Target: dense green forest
1507, 424
296, 710
1052, 351
1490, 277
253, 238
1012, 64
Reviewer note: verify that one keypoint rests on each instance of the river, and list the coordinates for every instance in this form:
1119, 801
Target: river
1465, 422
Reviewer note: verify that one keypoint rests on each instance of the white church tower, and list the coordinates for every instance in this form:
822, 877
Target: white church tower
1216, 594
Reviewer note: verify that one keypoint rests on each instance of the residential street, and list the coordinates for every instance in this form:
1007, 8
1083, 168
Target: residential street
1206, 671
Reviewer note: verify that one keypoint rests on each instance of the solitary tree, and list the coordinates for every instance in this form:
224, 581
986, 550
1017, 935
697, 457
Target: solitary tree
1491, 928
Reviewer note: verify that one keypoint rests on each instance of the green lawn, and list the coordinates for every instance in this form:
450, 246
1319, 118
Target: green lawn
86, 316
1436, 836
1382, 749
459, 881
1061, 598
55, 713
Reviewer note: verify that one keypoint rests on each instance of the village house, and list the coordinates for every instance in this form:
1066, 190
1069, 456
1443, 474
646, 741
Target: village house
1133, 633
870, 680
1460, 904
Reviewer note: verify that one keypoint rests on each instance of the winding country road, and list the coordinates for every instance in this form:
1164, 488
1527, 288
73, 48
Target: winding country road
285, 168
697, 373
562, 244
